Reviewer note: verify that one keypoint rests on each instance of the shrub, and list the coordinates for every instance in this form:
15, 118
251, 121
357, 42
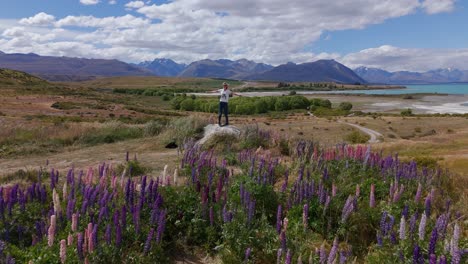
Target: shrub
407, 112
292, 93
357, 137
346, 106
153, 128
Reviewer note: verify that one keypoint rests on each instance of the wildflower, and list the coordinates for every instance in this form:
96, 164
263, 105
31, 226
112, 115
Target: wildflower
279, 255
418, 193
432, 259
402, 228
372, 197
51, 231
422, 226
433, 241
247, 254
334, 249
347, 208
323, 253
63, 250
305, 215
70, 240
417, 254
79, 246
288, 257
148, 241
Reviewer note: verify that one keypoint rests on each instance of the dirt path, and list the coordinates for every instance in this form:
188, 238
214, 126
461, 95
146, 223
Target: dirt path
374, 135
149, 152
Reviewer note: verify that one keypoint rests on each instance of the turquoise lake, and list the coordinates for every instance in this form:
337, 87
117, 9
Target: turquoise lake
410, 89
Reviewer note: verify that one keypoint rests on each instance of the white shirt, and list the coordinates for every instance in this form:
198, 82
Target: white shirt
224, 95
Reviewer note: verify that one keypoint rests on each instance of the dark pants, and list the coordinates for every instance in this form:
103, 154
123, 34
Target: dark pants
223, 109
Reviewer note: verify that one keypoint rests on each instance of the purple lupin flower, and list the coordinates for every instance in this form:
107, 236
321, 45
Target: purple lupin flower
108, 234
118, 234
416, 254
422, 227
442, 260
372, 196
279, 255
288, 257
323, 254
402, 228
333, 251
211, 215
454, 243
148, 241
247, 254
161, 226
283, 240
432, 259
347, 208
79, 245
279, 217
305, 215
433, 241
427, 205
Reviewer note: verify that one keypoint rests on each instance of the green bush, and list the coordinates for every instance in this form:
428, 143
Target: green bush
346, 106
357, 137
407, 112
153, 128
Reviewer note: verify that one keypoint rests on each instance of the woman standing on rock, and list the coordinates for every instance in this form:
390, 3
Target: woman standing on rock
223, 102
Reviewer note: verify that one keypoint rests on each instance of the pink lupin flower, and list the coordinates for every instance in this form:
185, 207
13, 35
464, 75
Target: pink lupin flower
51, 231
63, 250
285, 224
74, 225
358, 190
70, 240
333, 190
372, 196
64, 191
418, 193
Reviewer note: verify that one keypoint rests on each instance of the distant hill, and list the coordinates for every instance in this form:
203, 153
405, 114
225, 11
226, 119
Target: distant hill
318, 71
66, 68
375, 75
163, 67
224, 68
10, 77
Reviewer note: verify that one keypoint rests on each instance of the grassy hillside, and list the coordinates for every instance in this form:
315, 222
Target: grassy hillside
11, 77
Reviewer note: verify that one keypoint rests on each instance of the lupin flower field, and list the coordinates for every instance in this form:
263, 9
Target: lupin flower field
341, 204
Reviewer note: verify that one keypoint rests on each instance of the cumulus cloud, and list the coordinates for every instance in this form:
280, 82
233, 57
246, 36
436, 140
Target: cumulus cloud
267, 31
127, 21
89, 2
396, 59
40, 19
135, 4
112, 2
438, 6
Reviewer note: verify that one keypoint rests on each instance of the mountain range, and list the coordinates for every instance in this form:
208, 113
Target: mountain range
68, 69
78, 69
379, 76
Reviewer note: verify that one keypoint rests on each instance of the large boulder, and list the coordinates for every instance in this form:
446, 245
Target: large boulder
212, 130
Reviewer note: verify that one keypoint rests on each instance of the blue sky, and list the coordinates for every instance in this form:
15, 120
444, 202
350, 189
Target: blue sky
413, 35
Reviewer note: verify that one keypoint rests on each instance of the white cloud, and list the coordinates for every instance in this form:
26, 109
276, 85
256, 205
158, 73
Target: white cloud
267, 31
396, 59
89, 2
438, 6
40, 19
135, 4
127, 21
112, 2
